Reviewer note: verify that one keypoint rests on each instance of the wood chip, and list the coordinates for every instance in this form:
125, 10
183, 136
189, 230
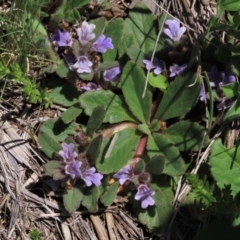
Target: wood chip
110, 226
100, 229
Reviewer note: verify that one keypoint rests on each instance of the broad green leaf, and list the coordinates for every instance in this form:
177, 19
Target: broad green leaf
112, 160
155, 125
62, 69
91, 196
126, 42
229, 5
49, 144
107, 65
114, 30
70, 114
63, 93
78, 4
156, 217
51, 166
225, 166
57, 129
133, 81
136, 55
59, 174
233, 113
116, 108
162, 146
158, 81
109, 196
93, 149
186, 136
72, 199
180, 96
144, 27
38, 30
144, 128
231, 90
95, 119
86, 76
100, 25
156, 165
139, 167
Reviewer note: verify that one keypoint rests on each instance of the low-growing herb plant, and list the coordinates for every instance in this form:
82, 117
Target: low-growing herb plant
116, 133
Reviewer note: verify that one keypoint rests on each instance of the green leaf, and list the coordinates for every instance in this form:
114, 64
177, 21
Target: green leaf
78, 4
100, 25
95, 119
86, 76
126, 42
133, 81
109, 196
187, 136
156, 165
233, 113
136, 55
156, 217
116, 108
72, 199
63, 93
158, 81
231, 90
107, 65
49, 145
225, 166
93, 149
180, 96
229, 5
51, 166
144, 128
144, 25
155, 125
161, 145
123, 150
73, 112
91, 196
62, 69
57, 129
114, 30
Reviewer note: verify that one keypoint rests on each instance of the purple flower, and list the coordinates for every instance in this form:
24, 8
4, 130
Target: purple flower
102, 44
174, 31
68, 153
111, 74
90, 87
176, 70
156, 65
218, 79
202, 95
85, 33
61, 38
73, 169
82, 65
91, 177
125, 174
145, 195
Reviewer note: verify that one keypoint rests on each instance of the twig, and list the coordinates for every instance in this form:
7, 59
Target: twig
153, 54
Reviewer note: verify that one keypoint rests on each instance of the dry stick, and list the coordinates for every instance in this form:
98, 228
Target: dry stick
154, 51
166, 11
